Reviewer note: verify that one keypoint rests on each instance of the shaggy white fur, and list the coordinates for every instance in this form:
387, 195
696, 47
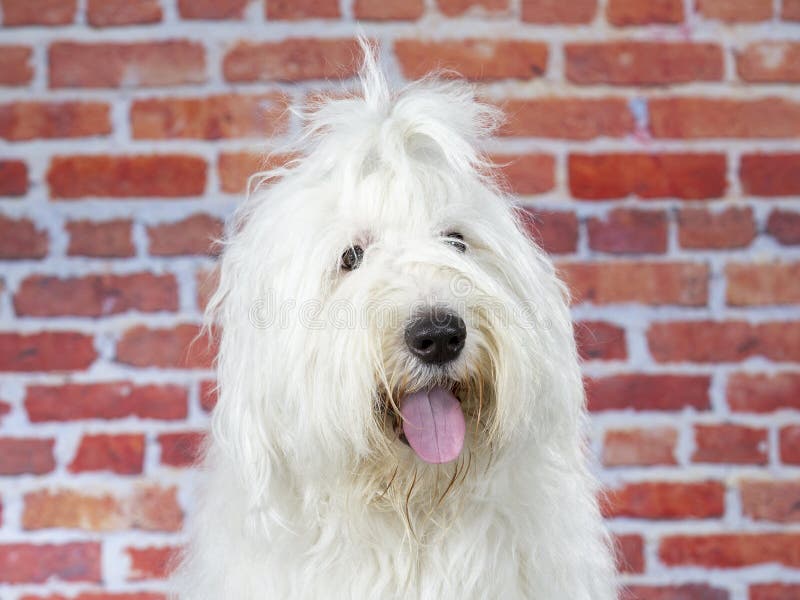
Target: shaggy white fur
311, 489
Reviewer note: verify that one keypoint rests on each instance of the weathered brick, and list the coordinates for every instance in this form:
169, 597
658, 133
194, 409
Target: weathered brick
775, 591
683, 284
177, 347
294, 59
481, 59
784, 226
46, 351
790, 444
15, 65
166, 175
643, 62
765, 500
599, 340
19, 456
640, 392
683, 176
31, 120
455, 8
735, 11
13, 180
197, 234
155, 508
208, 395
640, 447
181, 449
687, 591
730, 444
629, 231
551, 12
95, 295
152, 562
38, 12
207, 281
791, 12
211, 9
770, 174
111, 13
555, 232
629, 551
115, 400
699, 228
635, 12
759, 284
234, 168
666, 500
211, 117
730, 550
40, 563
762, 392
102, 239
388, 10
122, 454
770, 62
302, 9
568, 118
69, 509
137, 64
526, 173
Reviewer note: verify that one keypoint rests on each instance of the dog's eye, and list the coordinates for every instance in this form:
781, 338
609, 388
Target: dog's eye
351, 258
456, 240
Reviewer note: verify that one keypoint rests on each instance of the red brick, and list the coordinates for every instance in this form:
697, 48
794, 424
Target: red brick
455, 8
666, 500
207, 281
95, 295
763, 393
735, 11
526, 173
302, 9
116, 400
629, 553
181, 449
784, 226
629, 231
723, 341
13, 179
46, 351
5, 408
211, 9
138, 64
166, 175
102, 239
731, 550
38, 12
643, 63
640, 447
294, 59
730, 444
635, 12
697, 118
770, 62
790, 444
234, 168
208, 395
682, 284
111, 13
119, 453
387, 10
15, 65
31, 120
40, 563
599, 340
210, 118
179, 347
19, 456
568, 118
197, 234
775, 591
154, 508
555, 12
777, 501
699, 228
759, 284
555, 232
480, 59
151, 562
19, 239
67, 509
770, 174
683, 176
642, 392
791, 12
688, 591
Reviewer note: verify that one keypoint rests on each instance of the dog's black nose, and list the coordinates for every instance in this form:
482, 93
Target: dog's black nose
437, 337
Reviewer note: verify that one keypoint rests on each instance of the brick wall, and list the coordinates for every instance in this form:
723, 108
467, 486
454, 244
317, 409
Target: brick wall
655, 142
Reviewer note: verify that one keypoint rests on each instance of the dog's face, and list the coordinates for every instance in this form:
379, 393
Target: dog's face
403, 322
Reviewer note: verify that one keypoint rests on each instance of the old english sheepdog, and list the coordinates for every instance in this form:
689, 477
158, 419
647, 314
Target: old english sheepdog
400, 405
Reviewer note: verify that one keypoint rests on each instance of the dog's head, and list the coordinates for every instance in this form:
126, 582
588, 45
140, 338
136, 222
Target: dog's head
384, 317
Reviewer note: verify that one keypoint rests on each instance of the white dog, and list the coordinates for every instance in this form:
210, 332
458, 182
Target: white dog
401, 408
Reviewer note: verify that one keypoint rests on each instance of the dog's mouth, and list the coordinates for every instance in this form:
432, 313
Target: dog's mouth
431, 422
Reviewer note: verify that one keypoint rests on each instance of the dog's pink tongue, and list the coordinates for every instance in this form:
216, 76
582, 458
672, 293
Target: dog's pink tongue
433, 424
